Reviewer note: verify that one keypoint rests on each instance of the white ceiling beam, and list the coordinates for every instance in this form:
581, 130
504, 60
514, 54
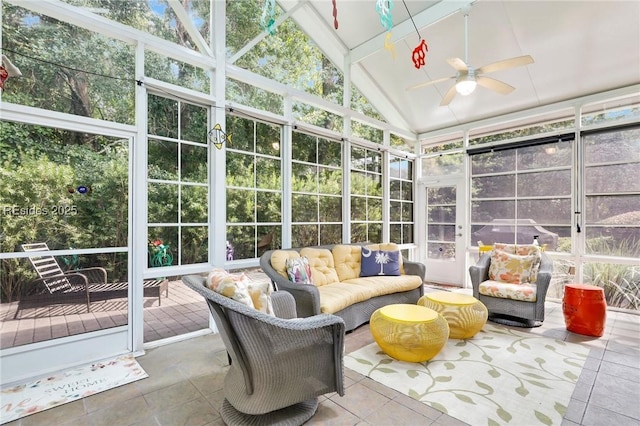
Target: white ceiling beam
236, 73
84, 19
193, 32
423, 19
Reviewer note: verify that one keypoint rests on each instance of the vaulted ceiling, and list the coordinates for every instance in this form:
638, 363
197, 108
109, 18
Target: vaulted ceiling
579, 48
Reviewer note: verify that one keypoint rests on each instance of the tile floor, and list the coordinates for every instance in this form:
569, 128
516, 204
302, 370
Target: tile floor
185, 380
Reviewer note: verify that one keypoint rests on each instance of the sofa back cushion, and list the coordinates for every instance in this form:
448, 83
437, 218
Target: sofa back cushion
347, 261
323, 268
279, 260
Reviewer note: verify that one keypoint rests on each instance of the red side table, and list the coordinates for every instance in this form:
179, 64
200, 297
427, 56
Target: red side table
585, 309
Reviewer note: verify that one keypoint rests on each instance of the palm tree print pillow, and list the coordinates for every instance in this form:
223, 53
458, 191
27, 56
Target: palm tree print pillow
379, 262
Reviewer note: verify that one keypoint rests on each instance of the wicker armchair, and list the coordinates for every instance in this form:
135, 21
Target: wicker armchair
279, 365
509, 311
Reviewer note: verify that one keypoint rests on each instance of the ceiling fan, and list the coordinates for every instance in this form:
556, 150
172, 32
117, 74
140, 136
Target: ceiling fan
467, 77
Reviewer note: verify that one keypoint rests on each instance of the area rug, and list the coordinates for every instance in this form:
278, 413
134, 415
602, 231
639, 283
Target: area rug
48, 392
500, 376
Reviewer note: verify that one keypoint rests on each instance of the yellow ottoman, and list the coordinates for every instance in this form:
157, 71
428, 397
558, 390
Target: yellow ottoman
465, 314
409, 332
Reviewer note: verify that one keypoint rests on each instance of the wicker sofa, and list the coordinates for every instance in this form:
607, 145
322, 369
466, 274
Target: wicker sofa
337, 286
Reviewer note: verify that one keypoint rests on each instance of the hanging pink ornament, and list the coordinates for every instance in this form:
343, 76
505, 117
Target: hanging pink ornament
419, 54
335, 14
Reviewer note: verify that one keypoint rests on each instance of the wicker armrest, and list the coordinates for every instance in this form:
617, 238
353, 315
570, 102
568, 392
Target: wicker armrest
284, 305
306, 295
414, 268
479, 272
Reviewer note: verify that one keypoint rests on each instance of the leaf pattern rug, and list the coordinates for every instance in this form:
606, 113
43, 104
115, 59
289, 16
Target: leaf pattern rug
57, 389
500, 376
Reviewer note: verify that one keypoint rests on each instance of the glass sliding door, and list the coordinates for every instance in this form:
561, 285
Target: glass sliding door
64, 272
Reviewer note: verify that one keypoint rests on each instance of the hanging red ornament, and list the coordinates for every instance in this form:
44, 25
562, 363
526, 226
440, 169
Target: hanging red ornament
335, 14
419, 54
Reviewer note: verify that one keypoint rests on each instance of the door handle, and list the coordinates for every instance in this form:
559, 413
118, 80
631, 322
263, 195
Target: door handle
459, 235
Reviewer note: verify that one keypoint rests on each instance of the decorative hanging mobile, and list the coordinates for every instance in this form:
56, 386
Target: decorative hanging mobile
7, 69
268, 21
420, 52
384, 7
217, 136
335, 14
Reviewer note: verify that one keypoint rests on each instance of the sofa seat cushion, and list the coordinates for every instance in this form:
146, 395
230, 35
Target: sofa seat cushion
337, 296
323, 268
382, 285
524, 292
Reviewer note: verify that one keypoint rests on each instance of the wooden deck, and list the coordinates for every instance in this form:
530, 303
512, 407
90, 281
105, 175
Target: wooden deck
183, 311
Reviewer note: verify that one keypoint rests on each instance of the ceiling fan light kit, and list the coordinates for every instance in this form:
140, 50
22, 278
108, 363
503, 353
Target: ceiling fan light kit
466, 83
468, 77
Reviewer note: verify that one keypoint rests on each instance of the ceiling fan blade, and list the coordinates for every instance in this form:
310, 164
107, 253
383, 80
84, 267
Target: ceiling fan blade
449, 96
495, 85
458, 64
506, 64
428, 83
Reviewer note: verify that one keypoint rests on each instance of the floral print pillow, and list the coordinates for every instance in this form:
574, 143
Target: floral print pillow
299, 270
241, 288
512, 268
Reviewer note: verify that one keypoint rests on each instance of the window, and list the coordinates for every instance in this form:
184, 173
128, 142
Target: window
612, 192
520, 192
254, 188
66, 68
366, 195
177, 184
401, 200
316, 191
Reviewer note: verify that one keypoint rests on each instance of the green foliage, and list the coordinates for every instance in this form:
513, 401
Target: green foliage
621, 283
94, 79
39, 201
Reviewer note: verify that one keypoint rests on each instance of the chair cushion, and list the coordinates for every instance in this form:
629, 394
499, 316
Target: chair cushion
322, 266
242, 289
526, 292
509, 248
260, 292
512, 268
379, 262
299, 270
233, 286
